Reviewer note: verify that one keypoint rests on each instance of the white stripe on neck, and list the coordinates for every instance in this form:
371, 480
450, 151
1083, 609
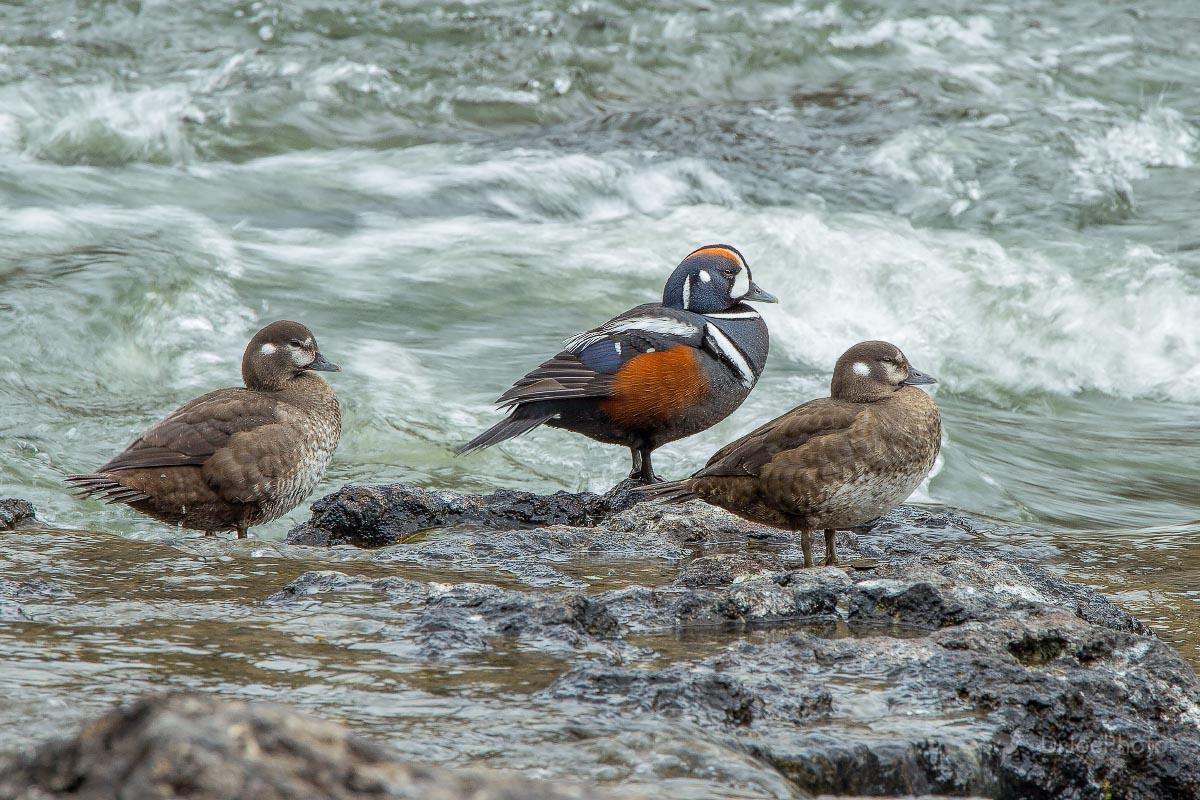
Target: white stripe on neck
731, 352
687, 293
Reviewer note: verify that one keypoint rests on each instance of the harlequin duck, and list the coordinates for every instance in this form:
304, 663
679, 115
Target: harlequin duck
658, 372
832, 463
234, 458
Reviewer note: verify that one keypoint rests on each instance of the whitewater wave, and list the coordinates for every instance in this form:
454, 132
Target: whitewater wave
165, 277
1107, 163
987, 320
103, 126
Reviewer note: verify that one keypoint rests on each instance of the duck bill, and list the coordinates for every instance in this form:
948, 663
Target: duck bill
917, 378
322, 364
757, 295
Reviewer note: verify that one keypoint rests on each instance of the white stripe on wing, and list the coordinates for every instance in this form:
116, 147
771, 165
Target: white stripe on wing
662, 325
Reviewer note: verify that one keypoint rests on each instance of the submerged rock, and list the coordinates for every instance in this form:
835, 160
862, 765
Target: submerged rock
14, 511
946, 668
202, 748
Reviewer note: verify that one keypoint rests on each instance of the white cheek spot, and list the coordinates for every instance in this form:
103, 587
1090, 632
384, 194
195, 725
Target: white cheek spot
704, 276
298, 357
861, 369
267, 349
741, 285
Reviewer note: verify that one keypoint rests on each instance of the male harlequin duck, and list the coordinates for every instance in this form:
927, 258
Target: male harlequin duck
656, 373
832, 463
234, 458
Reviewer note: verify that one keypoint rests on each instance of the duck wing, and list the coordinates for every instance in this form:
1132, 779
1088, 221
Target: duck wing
588, 365
191, 434
800, 432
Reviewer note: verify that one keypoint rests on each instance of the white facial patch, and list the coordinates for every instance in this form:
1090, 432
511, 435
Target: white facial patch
267, 349
741, 284
299, 357
895, 374
308, 342
861, 369
704, 276
687, 293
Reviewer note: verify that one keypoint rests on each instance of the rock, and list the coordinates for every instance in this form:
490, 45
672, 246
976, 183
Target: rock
13, 512
202, 748
450, 621
1046, 706
945, 669
375, 516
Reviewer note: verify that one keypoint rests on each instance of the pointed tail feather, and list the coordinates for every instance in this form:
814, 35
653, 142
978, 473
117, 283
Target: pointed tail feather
670, 492
104, 488
506, 428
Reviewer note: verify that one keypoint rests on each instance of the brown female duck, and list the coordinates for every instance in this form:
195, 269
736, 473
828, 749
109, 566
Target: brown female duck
836, 462
234, 458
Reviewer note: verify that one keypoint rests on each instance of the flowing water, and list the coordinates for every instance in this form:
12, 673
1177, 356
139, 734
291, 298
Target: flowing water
444, 191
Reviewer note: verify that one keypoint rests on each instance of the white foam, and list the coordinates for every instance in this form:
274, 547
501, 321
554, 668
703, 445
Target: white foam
1107, 163
98, 124
978, 317
975, 33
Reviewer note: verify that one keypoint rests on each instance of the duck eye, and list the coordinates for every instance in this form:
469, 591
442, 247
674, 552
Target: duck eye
294, 343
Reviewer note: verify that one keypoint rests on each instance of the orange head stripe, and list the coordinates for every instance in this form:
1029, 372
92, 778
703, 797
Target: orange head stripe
653, 387
722, 252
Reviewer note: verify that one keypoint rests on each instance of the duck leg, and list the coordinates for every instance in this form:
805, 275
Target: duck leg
806, 546
830, 548
241, 531
643, 470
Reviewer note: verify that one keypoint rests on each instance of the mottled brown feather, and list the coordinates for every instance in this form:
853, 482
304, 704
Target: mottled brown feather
790, 471
196, 430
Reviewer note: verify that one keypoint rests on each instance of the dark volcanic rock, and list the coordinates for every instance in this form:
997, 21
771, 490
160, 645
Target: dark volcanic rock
199, 747
375, 516
14, 511
1042, 707
444, 622
946, 668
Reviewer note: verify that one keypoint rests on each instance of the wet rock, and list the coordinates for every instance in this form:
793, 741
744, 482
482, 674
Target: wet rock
946, 668
13, 512
441, 621
195, 746
35, 589
704, 696
1046, 706
376, 516
11, 612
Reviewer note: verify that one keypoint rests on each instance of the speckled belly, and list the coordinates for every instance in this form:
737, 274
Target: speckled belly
867, 497
300, 483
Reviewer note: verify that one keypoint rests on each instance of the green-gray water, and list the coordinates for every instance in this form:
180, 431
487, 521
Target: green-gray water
445, 191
